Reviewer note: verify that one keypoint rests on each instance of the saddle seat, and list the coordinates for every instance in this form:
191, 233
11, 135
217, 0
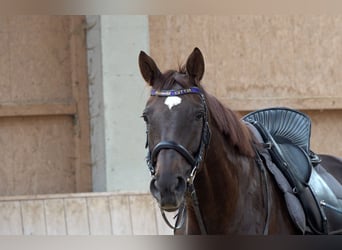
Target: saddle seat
286, 136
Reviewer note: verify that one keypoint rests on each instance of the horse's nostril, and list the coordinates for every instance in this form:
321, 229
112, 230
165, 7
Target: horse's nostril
153, 185
180, 185
176, 185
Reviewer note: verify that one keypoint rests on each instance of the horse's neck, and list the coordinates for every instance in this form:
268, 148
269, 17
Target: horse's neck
224, 186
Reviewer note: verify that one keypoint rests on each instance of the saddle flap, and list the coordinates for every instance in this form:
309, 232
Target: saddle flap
298, 160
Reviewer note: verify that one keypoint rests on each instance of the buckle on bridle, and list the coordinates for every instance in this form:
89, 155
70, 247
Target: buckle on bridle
192, 175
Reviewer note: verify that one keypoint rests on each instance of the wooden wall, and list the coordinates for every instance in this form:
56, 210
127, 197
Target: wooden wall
256, 61
82, 214
44, 128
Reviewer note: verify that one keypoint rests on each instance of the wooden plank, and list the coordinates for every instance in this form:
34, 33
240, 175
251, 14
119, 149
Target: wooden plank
302, 103
55, 217
76, 216
38, 155
38, 62
33, 217
68, 195
143, 215
79, 77
99, 216
36, 109
120, 214
82, 214
40, 121
10, 218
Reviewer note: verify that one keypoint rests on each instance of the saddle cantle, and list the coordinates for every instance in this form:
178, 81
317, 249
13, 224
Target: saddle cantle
286, 133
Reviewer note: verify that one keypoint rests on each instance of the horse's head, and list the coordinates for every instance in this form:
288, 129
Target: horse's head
176, 117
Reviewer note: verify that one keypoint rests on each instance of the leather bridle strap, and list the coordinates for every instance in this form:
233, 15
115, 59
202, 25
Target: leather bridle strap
195, 205
151, 158
175, 146
267, 196
193, 161
180, 217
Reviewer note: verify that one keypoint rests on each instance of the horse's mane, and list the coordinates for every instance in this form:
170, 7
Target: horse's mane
225, 119
231, 126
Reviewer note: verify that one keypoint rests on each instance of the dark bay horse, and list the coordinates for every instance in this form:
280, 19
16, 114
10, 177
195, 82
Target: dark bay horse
196, 143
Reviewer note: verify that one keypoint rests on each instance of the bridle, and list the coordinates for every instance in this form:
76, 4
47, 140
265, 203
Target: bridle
193, 160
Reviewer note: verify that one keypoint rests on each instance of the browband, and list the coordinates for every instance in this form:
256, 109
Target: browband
172, 92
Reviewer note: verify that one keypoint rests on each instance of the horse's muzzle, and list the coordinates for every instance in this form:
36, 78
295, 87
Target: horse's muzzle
169, 192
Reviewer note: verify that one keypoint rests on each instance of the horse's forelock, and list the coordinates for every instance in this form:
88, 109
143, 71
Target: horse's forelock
170, 78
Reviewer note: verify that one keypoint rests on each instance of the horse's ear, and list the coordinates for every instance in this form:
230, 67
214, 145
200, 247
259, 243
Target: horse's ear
195, 65
148, 68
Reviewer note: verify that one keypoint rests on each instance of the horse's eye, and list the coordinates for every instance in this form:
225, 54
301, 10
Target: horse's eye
199, 116
145, 118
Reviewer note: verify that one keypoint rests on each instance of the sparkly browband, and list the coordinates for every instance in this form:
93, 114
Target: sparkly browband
192, 90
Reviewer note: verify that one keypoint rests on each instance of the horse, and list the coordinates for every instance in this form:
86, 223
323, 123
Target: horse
203, 158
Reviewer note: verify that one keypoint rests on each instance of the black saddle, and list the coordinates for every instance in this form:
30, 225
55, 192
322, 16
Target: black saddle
286, 135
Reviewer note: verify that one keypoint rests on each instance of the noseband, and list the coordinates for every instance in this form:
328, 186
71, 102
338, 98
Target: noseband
193, 160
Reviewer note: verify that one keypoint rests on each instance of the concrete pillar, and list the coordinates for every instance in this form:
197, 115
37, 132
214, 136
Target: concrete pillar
117, 98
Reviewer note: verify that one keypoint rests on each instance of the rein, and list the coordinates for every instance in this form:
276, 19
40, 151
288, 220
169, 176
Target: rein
194, 161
